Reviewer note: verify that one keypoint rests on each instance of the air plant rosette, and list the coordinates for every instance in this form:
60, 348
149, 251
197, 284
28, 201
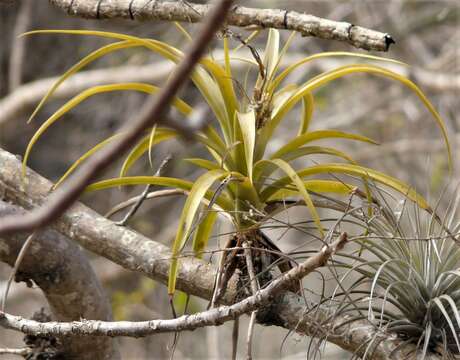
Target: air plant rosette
404, 277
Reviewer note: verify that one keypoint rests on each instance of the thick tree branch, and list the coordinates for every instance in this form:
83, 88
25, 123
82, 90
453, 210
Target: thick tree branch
138, 253
153, 112
64, 274
307, 25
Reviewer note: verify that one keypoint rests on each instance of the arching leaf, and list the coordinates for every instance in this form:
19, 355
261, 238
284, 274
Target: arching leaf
296, 180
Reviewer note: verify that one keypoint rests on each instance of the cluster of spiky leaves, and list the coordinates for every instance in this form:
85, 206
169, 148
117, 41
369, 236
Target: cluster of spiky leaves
238, 175
405, 277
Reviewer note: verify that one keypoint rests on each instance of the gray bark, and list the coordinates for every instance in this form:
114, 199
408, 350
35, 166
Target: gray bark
67, 280
307, 25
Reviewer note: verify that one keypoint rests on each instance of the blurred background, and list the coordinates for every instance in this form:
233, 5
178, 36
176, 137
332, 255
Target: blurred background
427, 35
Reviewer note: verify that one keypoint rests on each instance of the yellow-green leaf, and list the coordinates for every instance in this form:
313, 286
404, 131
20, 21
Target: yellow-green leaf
326, 77
146, 143
303, 139
350, 169
84, 157
203, 233
146, 88
306, 60
247, 123
307, 112
295, 178
263, 170
203, 163
93, 56
198, 191
318, 186
223, 202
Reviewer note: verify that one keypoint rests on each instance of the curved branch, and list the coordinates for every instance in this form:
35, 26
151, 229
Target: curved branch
307, 25
64, 274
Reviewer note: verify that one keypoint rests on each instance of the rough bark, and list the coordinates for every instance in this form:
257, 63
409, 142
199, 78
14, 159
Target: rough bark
307, 25
66, 278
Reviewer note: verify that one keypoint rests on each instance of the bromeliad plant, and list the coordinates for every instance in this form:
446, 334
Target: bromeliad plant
238, 178
407, 280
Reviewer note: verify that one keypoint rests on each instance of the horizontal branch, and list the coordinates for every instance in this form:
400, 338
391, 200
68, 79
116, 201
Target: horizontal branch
307, 25
19, 352
213, 317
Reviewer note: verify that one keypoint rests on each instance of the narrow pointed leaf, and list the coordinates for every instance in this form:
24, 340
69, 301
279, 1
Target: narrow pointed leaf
303, 139
296, 180
203, 233
189, 211
247, 123
354, 170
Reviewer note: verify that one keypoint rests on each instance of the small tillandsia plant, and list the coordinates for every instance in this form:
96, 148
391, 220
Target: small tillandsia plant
238, 174
406, 280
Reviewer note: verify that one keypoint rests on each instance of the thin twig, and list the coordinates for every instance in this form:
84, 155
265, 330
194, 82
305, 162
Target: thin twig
151, 114
144, 194
150, 195
254, 289
17, 264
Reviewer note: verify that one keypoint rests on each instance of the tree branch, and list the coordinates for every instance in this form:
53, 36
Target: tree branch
307, 25
62, 271
18, 48
19, 352
152, 113
213, 317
